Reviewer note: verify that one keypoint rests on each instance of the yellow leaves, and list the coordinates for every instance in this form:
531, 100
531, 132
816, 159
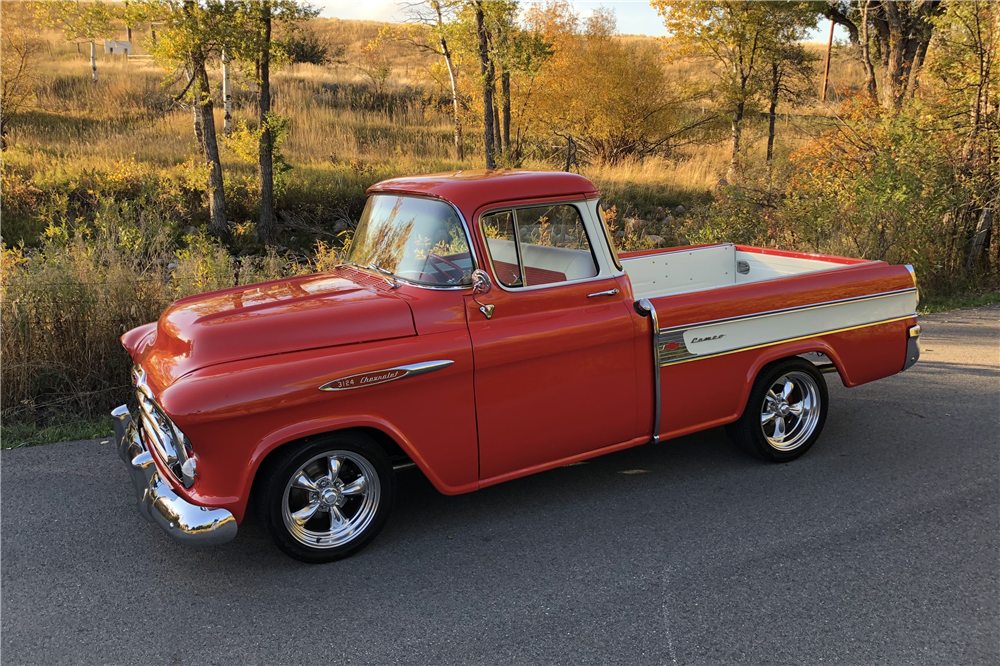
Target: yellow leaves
11, 261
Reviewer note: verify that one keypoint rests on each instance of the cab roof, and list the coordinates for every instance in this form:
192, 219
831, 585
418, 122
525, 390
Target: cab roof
469, 190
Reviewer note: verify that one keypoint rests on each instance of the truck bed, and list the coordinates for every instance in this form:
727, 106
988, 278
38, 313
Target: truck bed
656, 273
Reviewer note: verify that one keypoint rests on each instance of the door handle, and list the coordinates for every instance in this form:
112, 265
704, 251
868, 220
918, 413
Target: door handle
609, 292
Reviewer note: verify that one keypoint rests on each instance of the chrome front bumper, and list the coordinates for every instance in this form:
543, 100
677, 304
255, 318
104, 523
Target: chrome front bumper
184, 522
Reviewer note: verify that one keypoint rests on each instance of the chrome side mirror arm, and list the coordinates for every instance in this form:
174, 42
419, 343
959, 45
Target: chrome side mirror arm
481, 284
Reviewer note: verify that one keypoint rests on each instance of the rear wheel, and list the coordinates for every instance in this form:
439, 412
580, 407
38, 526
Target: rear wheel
785, 413
326, 498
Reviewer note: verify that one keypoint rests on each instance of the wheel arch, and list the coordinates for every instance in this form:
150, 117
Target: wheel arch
773, 355
389, 438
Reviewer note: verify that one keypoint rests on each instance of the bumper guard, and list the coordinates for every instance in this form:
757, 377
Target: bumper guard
184, 522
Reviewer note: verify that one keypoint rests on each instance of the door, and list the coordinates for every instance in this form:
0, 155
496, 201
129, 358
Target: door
555, 365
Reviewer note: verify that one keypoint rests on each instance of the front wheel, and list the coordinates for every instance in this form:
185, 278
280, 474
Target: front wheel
785, 413
326, 498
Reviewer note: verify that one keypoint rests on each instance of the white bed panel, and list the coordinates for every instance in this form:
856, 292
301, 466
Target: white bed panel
686, 270
761, 330
767, 266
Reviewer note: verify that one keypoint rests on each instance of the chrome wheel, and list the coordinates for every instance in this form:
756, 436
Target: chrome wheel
791, 411
331, 499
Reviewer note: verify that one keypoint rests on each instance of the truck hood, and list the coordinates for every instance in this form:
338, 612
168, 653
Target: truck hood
320, 310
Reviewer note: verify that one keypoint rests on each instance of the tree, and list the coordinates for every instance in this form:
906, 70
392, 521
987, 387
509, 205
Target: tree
18, 62
80, 21
736, 35
608, 97
488, 73
375, 65
431, 31
516, 52
903, 32
190, 33
249, 39
266, 227
789, 70
964, 64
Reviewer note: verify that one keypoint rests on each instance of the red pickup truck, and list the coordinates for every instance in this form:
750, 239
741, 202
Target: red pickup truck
483, 327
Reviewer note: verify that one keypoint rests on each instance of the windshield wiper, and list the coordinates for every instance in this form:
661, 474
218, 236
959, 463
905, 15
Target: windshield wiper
389, 275
373, 267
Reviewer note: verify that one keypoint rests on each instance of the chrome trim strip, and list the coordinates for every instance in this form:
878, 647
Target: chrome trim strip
171, 444
769, 313
644, 308
376, 377
601, 274
679, 248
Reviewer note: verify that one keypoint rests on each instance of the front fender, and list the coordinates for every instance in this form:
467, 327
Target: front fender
235, 414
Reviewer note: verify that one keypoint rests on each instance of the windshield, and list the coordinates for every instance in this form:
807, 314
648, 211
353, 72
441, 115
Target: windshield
415, 239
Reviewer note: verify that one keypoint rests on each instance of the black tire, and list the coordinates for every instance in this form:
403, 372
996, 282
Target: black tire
367, 474
758, 435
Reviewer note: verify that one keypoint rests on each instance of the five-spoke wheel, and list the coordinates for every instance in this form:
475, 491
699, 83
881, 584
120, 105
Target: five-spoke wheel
785, 412
326, 498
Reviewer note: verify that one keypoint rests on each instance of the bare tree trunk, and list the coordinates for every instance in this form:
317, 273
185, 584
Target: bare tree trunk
736, 130
975, 113
772, 109
93, 60
459, 144
219, 224
227, 97
199, 136
266, 226
979, 238
497, 138
570, 152
452, 76
826, 67
871, 89
918, 62
486, 68
505, 91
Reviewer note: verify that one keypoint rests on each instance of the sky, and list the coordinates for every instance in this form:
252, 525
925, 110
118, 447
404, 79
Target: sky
635, 17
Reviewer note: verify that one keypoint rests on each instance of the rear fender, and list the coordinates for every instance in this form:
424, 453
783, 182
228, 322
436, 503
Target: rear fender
770, 355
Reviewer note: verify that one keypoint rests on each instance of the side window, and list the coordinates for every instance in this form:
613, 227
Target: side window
539, 245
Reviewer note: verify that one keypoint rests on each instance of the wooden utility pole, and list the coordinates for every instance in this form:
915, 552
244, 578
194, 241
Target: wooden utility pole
826, 68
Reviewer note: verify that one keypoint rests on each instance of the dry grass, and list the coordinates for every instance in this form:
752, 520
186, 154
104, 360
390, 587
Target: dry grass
117, 162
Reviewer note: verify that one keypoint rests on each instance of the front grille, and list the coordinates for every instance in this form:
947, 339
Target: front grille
171, 445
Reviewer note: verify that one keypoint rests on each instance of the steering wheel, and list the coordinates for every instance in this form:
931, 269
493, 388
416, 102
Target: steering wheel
439, 258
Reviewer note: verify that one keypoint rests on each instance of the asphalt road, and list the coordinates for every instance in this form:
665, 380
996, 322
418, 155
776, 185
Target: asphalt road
881, 546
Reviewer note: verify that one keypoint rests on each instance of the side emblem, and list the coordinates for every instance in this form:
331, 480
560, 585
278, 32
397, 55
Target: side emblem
382, 376
707, 338
670, 346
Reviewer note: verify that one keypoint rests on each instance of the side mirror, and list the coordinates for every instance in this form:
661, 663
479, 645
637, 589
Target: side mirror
481, 283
